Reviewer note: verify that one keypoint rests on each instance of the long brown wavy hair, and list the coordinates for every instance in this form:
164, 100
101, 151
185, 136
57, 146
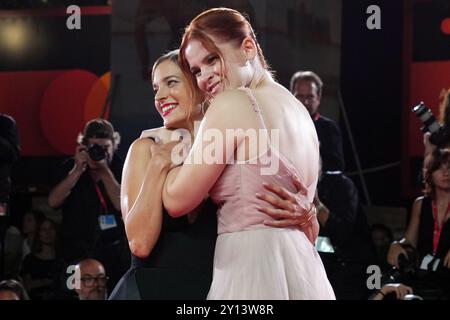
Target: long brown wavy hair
432, 163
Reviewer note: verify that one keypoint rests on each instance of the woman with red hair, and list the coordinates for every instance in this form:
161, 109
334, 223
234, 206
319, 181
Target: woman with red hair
254, 135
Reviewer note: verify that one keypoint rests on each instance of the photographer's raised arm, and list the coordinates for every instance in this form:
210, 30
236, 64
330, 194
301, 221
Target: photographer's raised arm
62, 190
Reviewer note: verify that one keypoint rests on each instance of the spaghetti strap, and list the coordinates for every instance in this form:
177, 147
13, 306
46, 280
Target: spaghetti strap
291, 167
255, 105
243, 236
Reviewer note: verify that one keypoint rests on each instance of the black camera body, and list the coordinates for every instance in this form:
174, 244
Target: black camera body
408, 267
96, 152
440, 134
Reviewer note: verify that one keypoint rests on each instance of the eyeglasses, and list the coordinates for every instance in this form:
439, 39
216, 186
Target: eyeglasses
88, 281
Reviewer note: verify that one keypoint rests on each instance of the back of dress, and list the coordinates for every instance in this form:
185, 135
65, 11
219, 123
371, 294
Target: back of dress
234, 192
254, 261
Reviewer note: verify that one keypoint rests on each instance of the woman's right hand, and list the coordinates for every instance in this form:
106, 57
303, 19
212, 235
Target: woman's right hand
165, 154
399, 289
165, 135
395, 250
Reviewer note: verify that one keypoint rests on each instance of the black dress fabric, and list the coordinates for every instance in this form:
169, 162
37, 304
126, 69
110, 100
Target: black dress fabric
426, 230
179, 266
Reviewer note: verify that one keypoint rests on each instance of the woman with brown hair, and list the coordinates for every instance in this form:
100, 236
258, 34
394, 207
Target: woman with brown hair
429, 227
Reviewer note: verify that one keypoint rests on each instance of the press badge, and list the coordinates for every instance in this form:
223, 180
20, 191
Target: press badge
107, 221
425, 265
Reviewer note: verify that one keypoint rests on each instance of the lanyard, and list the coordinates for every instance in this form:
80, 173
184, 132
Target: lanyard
101, 198
437, 228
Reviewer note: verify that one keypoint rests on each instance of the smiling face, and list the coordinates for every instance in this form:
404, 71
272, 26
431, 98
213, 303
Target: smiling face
172, 99
207, 67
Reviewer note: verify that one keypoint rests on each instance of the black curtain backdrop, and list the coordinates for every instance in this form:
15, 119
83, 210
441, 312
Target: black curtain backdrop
371, 78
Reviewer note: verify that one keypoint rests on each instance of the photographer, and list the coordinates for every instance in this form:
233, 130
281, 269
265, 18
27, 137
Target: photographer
429, 227
89, 194
441, 138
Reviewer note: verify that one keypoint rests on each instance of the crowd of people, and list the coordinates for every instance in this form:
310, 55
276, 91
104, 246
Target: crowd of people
269, 216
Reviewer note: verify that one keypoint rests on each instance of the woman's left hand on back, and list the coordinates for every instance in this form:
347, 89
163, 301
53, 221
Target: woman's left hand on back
289, 209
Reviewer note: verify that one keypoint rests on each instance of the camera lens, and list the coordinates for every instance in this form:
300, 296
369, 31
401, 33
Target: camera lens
96, 152
426, 116
420, 109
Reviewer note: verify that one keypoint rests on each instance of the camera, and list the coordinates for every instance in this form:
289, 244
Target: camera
440, 135
408, 266
96, 152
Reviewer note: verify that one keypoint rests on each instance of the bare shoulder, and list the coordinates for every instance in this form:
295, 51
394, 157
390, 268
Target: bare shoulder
141, 145
418, 201
417, 205
229, 101
154, 132
229, 98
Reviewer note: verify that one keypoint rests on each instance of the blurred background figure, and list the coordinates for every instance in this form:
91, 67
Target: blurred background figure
12, 290
31, 220
93, 280
307, 87
344, 242
40, 266
177, 15
9, 153
382, 238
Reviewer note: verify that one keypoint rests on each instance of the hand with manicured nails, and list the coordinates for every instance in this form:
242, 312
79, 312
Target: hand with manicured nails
160, 135
291, 209
164, 152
